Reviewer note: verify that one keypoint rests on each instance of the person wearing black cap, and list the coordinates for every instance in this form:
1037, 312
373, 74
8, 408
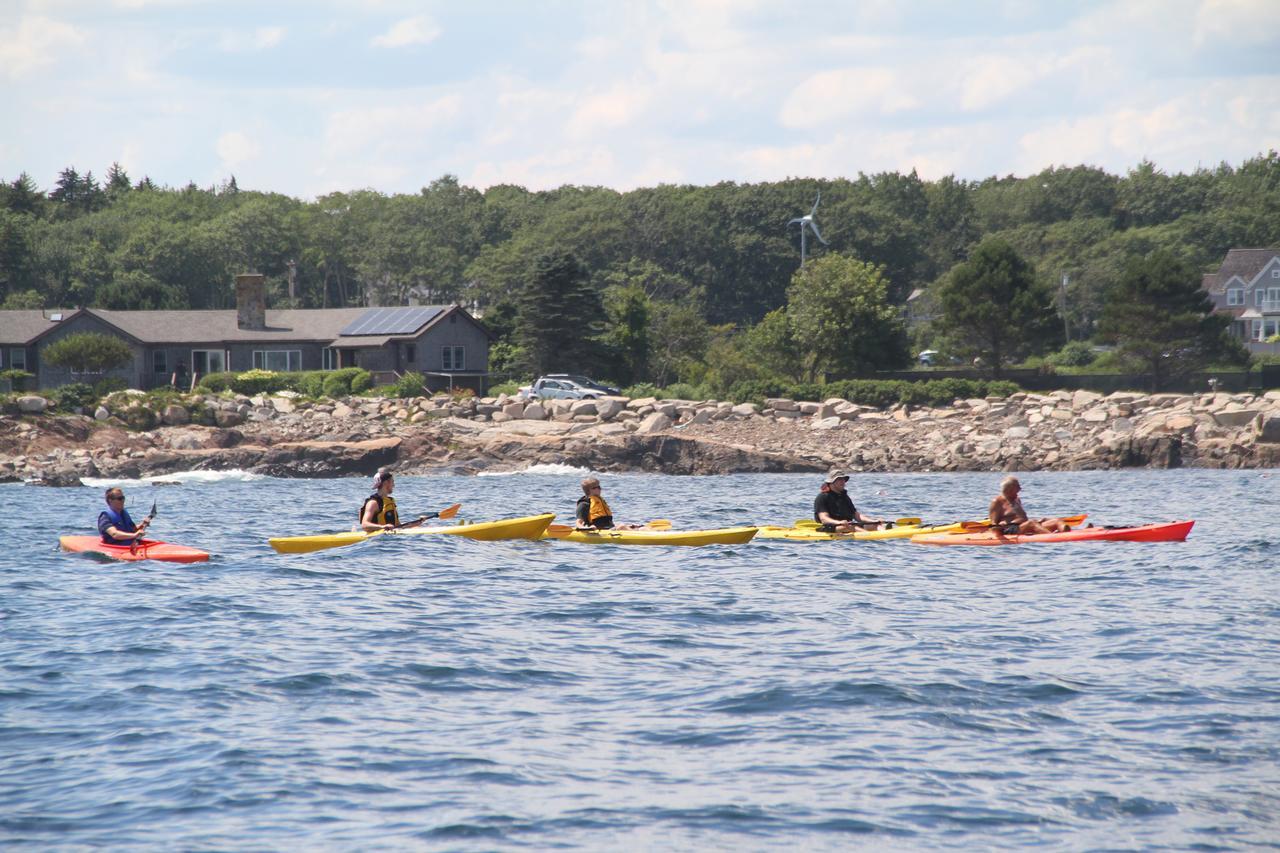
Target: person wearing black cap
834, 511
379, 509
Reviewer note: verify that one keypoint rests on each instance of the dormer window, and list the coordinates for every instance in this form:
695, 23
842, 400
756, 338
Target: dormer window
1235, 296
1275, 273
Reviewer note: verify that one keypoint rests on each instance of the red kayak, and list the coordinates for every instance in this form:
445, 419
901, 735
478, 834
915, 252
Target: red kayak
1171, 531
148, 549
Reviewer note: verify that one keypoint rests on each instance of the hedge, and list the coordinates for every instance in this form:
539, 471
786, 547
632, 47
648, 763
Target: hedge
874, 392
310, 383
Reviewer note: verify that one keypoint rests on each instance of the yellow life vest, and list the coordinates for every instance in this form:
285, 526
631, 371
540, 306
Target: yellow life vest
598, 509
386, 513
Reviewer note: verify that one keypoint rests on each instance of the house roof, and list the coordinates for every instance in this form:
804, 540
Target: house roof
166, 327
1242, 263
220, 326
19, 327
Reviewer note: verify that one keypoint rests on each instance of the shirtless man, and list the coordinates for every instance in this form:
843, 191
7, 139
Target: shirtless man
1006, 510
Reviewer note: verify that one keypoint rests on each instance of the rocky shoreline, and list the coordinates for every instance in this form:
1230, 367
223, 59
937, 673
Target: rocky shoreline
131, 436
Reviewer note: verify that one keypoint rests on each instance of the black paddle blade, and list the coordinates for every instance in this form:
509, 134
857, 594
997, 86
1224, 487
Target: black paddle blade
152, 514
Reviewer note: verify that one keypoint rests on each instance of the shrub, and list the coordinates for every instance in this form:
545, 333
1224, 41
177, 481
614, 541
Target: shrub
347, 381
644, 389
16, 377
508, 388
253, 382
109, 385
309, 383
68, 397
139, 417
216, 383
409, 385
880, 393
683, 391
1074, 354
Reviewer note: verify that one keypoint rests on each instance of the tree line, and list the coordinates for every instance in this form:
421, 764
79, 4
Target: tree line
677, 283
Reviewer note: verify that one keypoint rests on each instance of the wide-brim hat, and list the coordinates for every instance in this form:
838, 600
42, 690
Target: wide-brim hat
834, 475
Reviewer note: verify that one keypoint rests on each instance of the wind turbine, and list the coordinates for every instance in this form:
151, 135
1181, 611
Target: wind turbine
807, 221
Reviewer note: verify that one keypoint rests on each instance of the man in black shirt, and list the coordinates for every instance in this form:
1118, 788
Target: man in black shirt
834, 511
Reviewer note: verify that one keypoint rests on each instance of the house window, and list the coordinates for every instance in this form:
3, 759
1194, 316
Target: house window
1270, 326
1257, 296
1273, 297
453, 358
1256, 335
206, 361
410, 353
1275, 273
1235, 296
329, 359
159, 362
277, 360
18, 358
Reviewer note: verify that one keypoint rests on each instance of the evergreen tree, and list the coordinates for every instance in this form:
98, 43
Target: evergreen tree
117, 182
22, 195
994, 308
560, 317
1163, 322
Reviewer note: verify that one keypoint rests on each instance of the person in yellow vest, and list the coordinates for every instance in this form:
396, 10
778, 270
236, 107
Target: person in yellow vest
593, 512
379, 510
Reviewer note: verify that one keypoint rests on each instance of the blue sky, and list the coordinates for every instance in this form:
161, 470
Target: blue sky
306, 98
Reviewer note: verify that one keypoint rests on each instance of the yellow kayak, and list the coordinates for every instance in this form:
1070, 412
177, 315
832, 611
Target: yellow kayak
722, 536
812, 534
529, 527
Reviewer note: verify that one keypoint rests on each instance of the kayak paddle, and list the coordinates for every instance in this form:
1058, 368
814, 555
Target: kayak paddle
133, 545
559, 531
447, 512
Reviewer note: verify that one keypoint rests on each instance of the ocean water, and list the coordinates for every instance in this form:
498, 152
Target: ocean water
437, 693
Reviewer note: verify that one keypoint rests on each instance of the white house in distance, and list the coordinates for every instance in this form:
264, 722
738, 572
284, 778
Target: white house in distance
1247, 287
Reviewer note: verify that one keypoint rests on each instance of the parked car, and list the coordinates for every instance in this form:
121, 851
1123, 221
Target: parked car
565, 386
928, 357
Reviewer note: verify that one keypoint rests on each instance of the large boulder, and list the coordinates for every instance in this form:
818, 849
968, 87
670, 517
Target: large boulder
30, 404
656, 422
175, 415
534, 412
1267, 427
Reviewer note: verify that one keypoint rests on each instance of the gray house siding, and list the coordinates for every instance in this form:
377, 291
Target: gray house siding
456, 330
50, 376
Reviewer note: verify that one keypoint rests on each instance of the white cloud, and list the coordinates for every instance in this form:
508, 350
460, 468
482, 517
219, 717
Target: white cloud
36, 42
261, 38
362, 132
236, 148
416, 30
1236, 22
616, 108
993, 79
831, 95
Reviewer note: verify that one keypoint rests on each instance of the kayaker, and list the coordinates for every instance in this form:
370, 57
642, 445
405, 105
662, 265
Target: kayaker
115, 525
1007, 515
379, 509
593, 512
834, 511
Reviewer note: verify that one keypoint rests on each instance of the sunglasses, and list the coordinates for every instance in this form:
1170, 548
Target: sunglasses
116, 498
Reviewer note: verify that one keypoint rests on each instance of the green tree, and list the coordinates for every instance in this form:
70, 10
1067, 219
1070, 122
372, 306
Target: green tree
993, 307
628, 311
560, 316
841, 319
88, 352
678, 336
1162, 321
772, 345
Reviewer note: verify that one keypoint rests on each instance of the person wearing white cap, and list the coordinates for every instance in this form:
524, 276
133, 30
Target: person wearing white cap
834, 511
379, 509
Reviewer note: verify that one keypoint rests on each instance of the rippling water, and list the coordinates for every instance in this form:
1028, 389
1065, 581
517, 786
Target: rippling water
443, 693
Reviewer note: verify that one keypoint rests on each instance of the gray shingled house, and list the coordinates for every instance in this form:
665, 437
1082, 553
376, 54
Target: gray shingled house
443, 342
1247, 287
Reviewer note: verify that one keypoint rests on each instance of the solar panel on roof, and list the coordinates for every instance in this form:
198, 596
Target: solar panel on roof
392, 321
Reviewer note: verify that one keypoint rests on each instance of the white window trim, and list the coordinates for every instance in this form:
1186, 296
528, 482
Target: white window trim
329, 358
1255, 333
1235, 296
1275, 273
261, 355
13, 362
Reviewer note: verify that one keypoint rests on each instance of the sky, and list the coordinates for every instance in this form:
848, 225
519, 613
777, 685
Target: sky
306, 98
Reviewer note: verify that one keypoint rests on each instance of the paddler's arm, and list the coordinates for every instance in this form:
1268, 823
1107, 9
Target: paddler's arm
116, 533
366, 519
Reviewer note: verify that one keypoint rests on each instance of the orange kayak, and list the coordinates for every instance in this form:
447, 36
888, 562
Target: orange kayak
148, 549
1172, 531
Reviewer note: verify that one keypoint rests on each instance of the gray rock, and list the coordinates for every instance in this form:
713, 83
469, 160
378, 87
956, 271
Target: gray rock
101, 414
175, 415
534, 412
30, 404
656, 422
1267, 428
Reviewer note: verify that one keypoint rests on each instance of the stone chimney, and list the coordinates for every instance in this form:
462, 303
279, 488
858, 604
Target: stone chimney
251, 301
